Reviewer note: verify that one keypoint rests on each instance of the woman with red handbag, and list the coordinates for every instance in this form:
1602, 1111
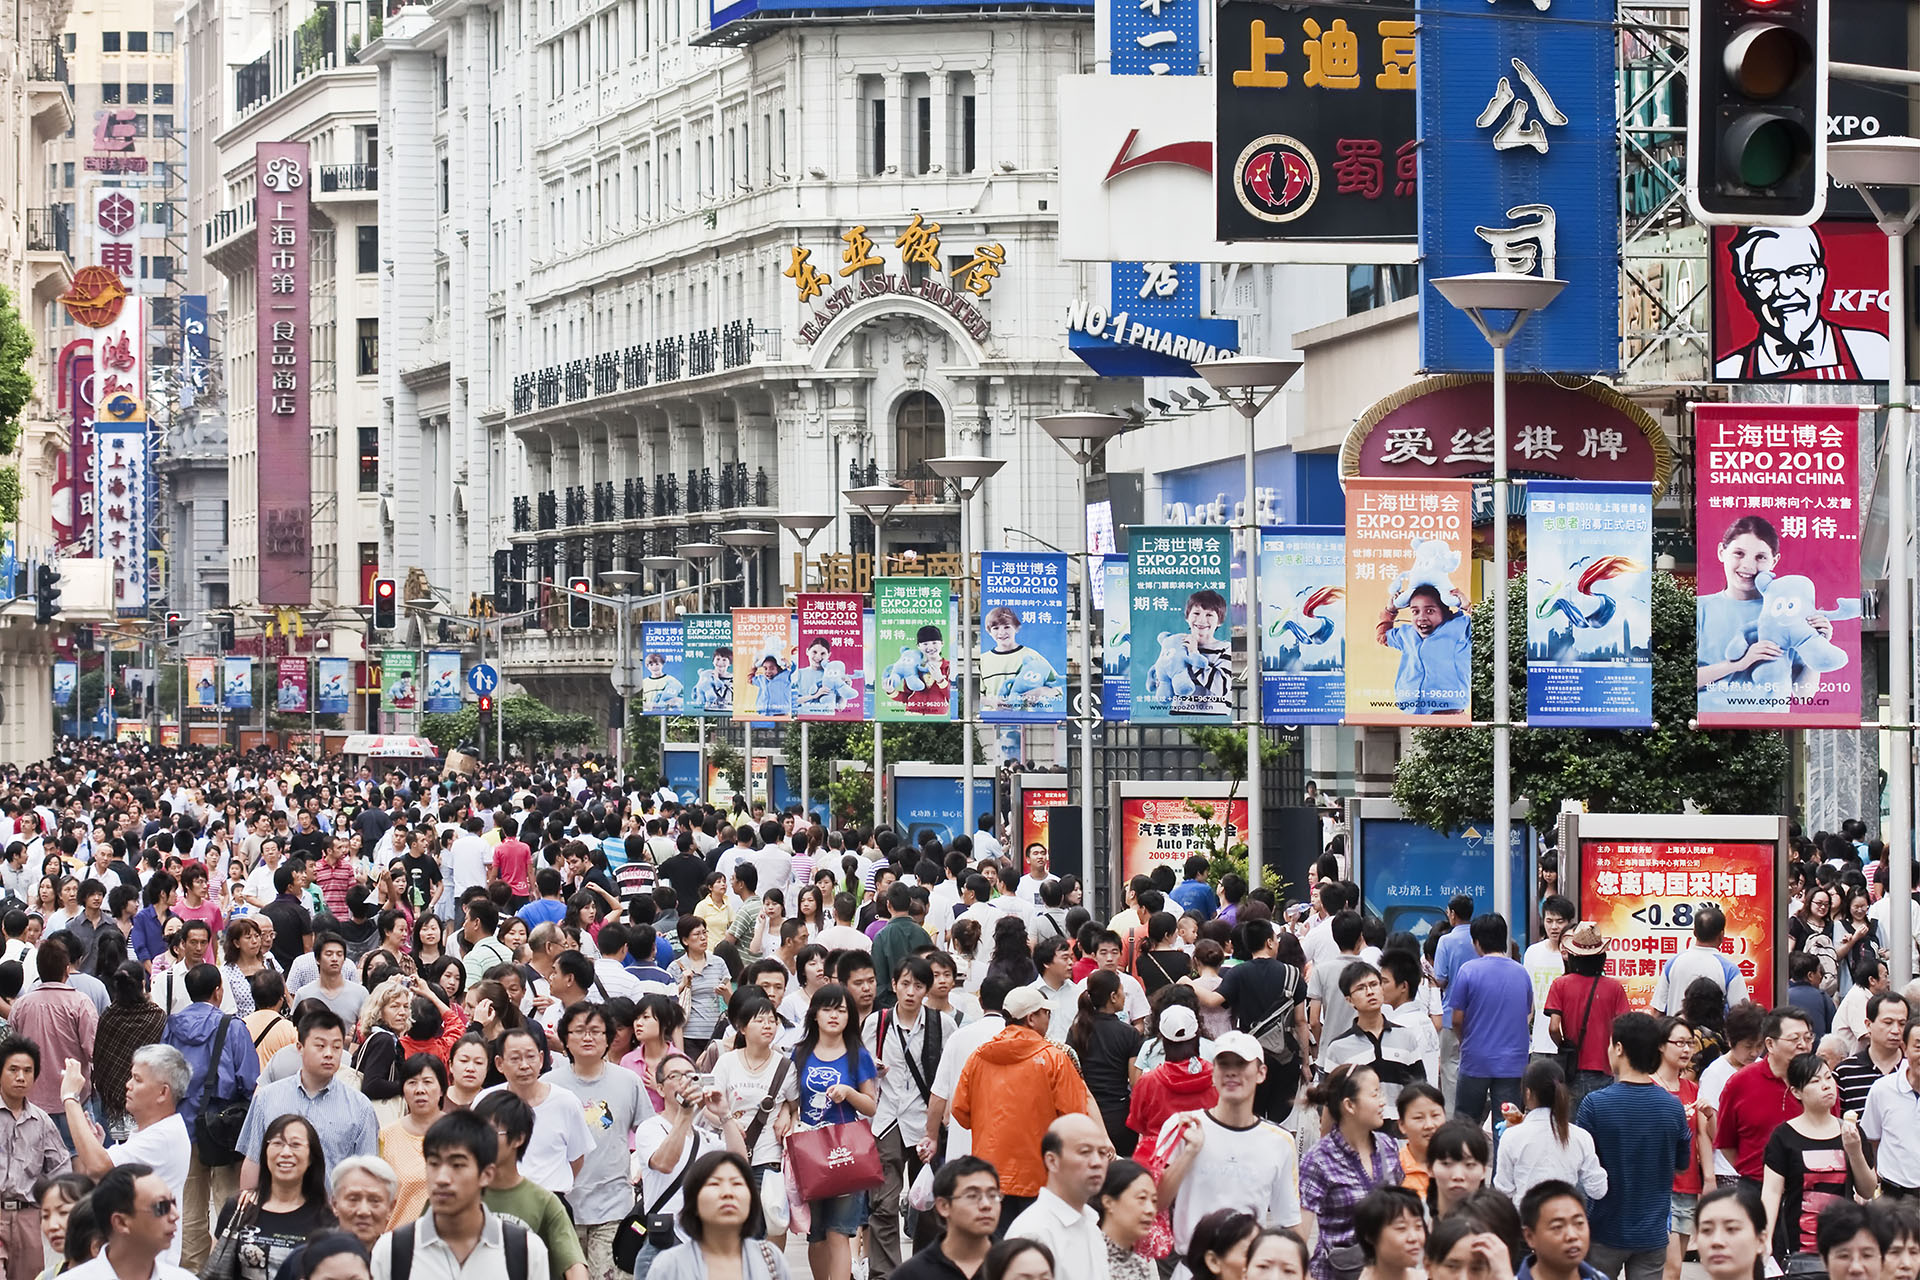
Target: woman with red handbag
835, 1089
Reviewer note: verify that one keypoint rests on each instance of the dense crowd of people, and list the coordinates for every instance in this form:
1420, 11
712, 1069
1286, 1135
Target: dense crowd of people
267, 1018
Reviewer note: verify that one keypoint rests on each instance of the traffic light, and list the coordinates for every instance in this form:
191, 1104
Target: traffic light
486, 704
173, 626
579, 608
46, 595
502, 570
385, 600
223, 632
1757, 112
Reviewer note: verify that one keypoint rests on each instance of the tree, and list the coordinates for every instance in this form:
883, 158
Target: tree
16, 391
1446, 781
850, 795
530, 724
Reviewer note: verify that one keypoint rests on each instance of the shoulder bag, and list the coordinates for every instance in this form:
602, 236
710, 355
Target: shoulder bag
645, 1224
216, 1130
1570, 1050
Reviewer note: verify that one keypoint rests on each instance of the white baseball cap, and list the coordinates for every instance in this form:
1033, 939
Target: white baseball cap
1178, 1024
1236, 1044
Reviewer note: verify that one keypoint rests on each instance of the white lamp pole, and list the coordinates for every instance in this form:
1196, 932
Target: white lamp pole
968, 472
805, 526
748, 544
1517, 297
621, 581
876, 502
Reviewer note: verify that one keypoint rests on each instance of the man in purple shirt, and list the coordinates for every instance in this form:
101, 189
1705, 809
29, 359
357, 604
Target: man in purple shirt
1492, 1000
149, 938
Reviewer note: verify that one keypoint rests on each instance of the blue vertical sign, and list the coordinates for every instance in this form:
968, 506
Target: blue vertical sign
193, 348
1116, 642
1519, 172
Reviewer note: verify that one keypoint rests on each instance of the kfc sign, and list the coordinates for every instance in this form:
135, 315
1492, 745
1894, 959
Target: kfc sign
1800, 304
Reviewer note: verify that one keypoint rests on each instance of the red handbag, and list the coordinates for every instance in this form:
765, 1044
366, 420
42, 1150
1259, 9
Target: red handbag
833, 1160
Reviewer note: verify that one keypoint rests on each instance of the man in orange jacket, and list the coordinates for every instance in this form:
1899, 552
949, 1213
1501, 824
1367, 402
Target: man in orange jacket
1011, 1089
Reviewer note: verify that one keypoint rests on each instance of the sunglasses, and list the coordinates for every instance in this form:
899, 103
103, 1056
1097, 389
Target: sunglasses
162, 1207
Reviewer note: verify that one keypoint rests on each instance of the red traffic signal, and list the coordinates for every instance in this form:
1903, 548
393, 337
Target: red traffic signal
486, 703
579, 608
385, 602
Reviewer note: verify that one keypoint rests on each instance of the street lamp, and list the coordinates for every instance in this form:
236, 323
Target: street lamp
1894, 162
748, 543
702, 551
625, 683
1485, 296
1083, 435
877, 502
968, 473
805, 526
1250, 384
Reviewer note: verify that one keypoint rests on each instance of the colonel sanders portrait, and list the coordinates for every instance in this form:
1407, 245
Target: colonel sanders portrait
1781, 274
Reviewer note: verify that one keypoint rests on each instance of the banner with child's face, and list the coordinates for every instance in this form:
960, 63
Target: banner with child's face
832, 681
707, 664
1023, 637
1409, 625
1777, 523
763, 646
1181, 665
913, 667
663, 657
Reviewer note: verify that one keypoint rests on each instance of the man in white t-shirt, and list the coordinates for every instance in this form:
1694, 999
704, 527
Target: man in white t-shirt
466, 861
561, 1140
946, 1077
155, 1085
841, 935
1544, 963
666, 1143
1228, 1157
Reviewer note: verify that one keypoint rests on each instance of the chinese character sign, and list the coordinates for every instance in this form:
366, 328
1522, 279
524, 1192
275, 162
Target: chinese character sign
73, 479
120, 488
237, 683
832, 681
1644, 895
1519, 172
1777, 523
1022, 660
203, 675
913, 667
334, 688
1589, 604
399, 680
1303, 632
66, 679
284, 396
1035, 820
1800, 304
1177, 596
1116, 642
1314, 109
443, 682
707, 668
763, 639
1166, 832
290, 684
1408, 873
194, 351
663, 655
1409, 626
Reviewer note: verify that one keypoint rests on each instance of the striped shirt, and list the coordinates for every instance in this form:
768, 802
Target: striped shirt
1856, 1075
1395, 1055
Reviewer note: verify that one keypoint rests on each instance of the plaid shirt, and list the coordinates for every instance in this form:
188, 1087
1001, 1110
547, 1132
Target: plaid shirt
1333, 1178
333, 881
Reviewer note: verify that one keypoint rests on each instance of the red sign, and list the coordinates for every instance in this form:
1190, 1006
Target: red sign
1800, 304
1034, 803
283, 394
1166, 832
1442, 429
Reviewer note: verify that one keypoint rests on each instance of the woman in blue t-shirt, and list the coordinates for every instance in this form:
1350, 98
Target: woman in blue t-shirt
833, 1082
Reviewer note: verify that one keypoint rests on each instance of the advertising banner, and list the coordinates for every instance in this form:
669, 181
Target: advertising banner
1644, 895
120, 510
707, 667
1116, 682
1303, 633
763, 638
290, 684
334, 687
1178, 588
283, 305
1166, 832
832, 681
238, 685
1800, 304
399, 680
933, 804
1409, 630
203, 678
1035, 821
1589, 604
1023, 637
912, 621
663, 656
443, 682
66, 680
866, 640
1777, 523
1408, 873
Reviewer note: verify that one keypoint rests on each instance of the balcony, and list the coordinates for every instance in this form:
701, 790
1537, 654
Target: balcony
47, 87
349, 177
228, 223
47, 230
703, 352
49, 264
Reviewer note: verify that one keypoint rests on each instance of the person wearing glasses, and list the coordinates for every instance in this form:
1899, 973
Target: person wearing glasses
966, 1195
139, 1213
290, 1206
160, 1144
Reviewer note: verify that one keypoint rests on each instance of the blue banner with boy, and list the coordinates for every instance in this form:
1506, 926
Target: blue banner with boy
663, 651
1589, 604
1179, 584
1303, 637
1023, 637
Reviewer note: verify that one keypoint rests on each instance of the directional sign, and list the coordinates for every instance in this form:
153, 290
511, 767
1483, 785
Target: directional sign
482, 678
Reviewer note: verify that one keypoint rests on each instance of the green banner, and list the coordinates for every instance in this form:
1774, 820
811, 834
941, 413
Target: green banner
913, 624
399, 680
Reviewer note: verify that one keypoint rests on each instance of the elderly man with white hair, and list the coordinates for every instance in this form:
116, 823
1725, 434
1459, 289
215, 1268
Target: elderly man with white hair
362, 1191
160, 1139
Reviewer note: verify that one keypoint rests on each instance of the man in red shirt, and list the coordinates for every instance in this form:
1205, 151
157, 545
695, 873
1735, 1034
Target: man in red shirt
1756, 1100
513, 862
335, 874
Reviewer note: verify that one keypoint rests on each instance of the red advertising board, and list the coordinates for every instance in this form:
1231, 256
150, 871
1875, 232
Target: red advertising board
1166, 832
1644, 894
1800, 304
1034, 803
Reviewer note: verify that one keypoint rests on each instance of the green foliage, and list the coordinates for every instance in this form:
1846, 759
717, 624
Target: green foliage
851, 794
1224, 858
530, 724
1446, 780
1228, 747
16, 382
9, 494
310, 37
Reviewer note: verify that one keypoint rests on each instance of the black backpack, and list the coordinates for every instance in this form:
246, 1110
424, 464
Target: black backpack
400, 1260
216, 1130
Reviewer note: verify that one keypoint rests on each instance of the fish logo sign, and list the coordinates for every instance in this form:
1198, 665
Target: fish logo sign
1276, 178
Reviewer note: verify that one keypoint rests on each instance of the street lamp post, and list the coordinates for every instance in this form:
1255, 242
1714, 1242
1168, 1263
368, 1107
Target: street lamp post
624, 681
876, 502
1885, 163
705, 552
669, 567
1250, 384
748, 543
1083, 435
1485, 296
805, 526
968, 472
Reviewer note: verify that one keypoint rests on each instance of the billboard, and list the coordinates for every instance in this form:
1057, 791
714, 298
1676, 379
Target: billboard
831, 683
442, 695
203, 678
237, 683
1590, 604
1303, 632
707, 669
335, 686
1407, 872
290, 684
1116, 643
1409, 627
1022, 658
1034, 818
1166, 830
1178, 588
283, 337
399, 680
764, 639
66, 680
1800, 304
662, 657
927, 798
913, 622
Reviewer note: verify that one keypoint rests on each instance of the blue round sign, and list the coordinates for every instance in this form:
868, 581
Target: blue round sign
482, 678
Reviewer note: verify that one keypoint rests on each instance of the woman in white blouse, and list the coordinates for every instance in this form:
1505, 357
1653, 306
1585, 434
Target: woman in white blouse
1546, 1144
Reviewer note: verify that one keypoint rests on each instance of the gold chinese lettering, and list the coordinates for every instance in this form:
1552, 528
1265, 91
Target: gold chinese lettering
981, 270
1396, 56
808, 279
1333, 57
920, 243
1258, 74
859, 254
